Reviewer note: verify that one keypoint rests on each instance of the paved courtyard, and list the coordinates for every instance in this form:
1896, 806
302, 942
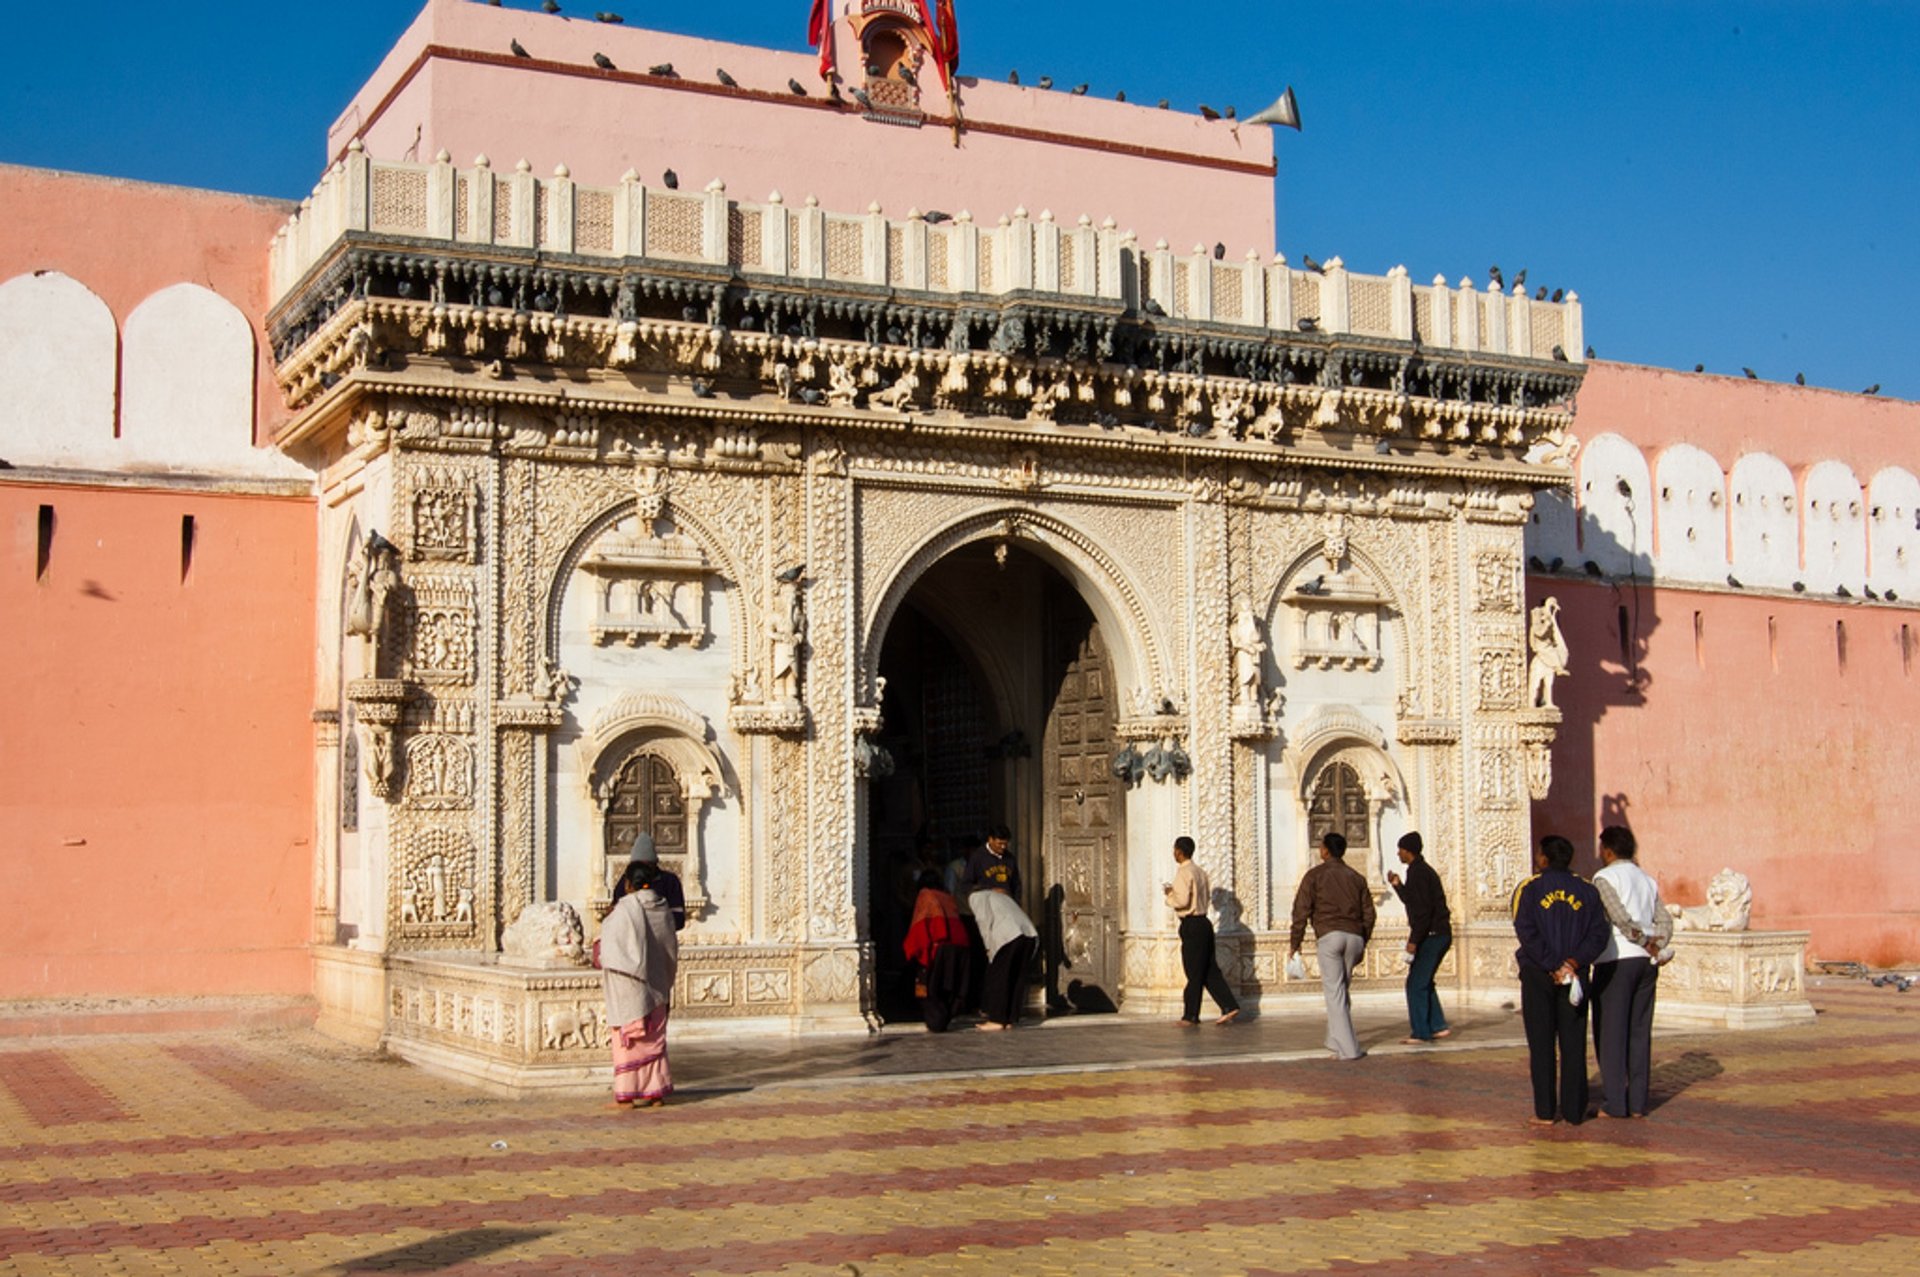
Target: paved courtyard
1135, 1149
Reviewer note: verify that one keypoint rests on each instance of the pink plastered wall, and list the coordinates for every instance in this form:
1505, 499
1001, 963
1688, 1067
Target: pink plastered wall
127, 240
1730, 731
1730, 416
451, 83
156, 806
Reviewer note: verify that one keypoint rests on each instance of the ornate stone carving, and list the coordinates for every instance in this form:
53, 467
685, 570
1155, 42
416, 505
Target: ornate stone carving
1498, 681
1728, 908
1549, 654
546, 935
648, 588
445, 521
1337, 623
437, 888
442, 626
440, 770
377, 704
1496, 581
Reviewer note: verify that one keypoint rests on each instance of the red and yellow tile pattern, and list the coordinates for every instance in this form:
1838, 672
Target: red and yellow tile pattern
1789, 1152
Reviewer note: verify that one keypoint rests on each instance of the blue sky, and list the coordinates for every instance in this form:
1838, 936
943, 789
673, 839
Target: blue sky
1728, 184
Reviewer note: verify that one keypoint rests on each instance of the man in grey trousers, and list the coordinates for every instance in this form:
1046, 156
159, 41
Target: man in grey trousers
1336, 899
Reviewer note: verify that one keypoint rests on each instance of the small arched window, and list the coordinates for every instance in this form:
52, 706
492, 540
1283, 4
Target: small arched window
1339, 805
646, 796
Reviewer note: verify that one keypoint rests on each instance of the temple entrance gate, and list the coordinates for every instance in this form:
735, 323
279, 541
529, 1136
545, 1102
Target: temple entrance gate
999, 705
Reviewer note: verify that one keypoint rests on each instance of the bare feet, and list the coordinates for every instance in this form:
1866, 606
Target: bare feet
990, 1026
1188, 1024
1229, 1017
1416, 1041
1444, 1033
1542, 1121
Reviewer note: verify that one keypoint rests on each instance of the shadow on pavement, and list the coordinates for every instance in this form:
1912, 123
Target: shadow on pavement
1670, 1077
441, 1252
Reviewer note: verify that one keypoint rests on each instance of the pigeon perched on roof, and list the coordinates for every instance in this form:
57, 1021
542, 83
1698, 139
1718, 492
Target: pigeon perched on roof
1307, 263
796, 88
1499, 280
664, 70
604, 62
1208, 113
720, 74
906, 73
1751, 374
1013, 77
604, 16
550, 6
519, 50
1045, 82
1079, 90
1799, 379
670, 180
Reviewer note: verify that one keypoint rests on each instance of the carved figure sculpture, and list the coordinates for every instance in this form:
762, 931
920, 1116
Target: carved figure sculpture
1248, 647
898, 396
568, 1028
842, 386
1549, 654
548, 934
554, 683
1729, 906
373, 578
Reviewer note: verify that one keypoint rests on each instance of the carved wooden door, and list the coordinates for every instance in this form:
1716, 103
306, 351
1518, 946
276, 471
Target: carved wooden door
1083, 803
1339, 805
646, 796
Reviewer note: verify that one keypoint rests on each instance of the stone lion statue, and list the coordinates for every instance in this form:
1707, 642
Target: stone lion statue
545, 935
1729, 905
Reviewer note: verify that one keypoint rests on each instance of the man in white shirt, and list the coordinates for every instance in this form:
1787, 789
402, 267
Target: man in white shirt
1625, 976
1188, 895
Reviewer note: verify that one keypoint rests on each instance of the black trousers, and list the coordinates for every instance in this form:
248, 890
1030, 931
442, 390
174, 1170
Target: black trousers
948, 981
1623, 1032
1555, 1026
1196, 956
1007, 975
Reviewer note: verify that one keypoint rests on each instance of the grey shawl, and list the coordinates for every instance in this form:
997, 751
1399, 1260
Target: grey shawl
639, 956
1000, 918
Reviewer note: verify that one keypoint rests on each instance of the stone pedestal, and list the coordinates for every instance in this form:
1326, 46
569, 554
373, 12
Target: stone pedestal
1735, 980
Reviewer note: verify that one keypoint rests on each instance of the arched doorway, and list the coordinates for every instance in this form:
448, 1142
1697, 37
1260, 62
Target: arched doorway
1000, 703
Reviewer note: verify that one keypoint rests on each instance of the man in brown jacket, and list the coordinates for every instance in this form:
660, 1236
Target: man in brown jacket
1336, 899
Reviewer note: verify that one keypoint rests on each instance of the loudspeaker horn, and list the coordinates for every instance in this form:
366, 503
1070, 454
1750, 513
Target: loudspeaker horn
1284, 113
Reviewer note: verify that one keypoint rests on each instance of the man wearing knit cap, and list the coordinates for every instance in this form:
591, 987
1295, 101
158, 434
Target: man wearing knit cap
1429, 936
667, 884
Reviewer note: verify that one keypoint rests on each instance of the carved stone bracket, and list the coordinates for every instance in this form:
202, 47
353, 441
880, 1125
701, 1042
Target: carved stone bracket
1251, 722
1429, 731
1538, 727
377, 703
1151, 727
535, 716
789, 719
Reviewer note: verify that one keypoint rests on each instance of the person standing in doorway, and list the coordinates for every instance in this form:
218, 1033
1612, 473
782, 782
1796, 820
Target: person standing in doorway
1626, 975
1562, 928
1188, 895
666, 883
1429, 936
1335, 898
993, 866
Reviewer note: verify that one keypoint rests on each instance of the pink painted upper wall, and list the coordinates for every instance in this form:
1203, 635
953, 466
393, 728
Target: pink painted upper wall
1732, 732
87, 228
451, 83
1728, 417
156, 802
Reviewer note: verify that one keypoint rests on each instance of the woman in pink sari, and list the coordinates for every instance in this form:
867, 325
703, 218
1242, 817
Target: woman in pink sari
639, 955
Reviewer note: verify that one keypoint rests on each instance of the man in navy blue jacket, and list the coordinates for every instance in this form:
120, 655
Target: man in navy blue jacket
1562, 926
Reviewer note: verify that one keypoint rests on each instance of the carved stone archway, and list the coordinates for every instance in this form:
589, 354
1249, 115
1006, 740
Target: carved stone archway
663, 727
1341, 736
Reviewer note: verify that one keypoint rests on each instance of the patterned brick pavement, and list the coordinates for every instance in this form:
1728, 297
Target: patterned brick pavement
270, 1153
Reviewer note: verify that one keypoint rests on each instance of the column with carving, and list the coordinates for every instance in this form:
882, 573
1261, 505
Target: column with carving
832, 970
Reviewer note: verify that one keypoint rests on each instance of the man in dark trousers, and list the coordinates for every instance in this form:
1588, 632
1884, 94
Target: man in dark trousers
1429, 936
1562, 927
1189, 895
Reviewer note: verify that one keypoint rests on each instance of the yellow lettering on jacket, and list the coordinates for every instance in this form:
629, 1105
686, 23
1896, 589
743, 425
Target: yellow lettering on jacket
1553, 898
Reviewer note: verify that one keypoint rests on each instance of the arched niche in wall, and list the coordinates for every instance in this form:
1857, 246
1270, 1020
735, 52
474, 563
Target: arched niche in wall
1553, 528
1833, 528
1893, 532
1346, 775
188, 381
650, 766
58, 350
1616, 510
1690, 504
1765, 521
